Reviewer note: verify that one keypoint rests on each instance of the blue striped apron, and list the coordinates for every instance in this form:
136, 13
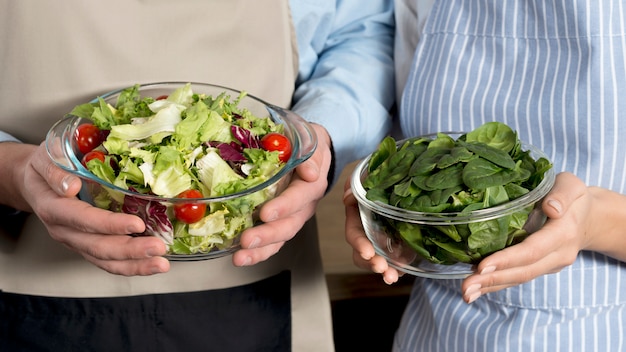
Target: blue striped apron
555, 71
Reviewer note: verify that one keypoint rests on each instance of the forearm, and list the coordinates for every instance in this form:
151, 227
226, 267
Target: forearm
13, 161
607, 228
346, 78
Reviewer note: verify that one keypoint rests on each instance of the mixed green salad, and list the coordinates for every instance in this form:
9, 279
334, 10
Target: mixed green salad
480, 169
183, 145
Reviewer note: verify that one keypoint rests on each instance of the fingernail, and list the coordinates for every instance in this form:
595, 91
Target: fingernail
155, 269
134, 228
367, 256
474, 296
255, 243
555, 205
65, 184
378, 270
246, 261
472, 292
473, 288
487, 270
347, 193
273, 216
152, 252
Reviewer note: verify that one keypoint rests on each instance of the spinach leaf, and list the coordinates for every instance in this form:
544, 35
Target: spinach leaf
495, 134
452, 253
449, 177
456, 155
495, 155
426, 162
481, 173
386, 148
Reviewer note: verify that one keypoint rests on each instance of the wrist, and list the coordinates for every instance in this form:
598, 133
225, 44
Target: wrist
323, 137
607, 228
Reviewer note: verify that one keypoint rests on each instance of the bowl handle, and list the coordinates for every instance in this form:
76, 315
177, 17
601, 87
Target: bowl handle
303, 134
57, 143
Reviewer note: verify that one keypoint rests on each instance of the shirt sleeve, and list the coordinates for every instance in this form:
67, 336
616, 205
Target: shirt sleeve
5, 137
345, 80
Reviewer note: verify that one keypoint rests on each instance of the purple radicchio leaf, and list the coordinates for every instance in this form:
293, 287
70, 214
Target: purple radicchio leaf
229, 151
153, 215
247, 139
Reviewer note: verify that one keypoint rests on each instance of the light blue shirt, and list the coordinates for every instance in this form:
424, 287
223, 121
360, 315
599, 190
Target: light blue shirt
345, 79
5, 137
556, 73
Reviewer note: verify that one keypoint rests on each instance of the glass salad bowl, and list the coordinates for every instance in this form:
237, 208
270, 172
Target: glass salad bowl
412, 232
192, 160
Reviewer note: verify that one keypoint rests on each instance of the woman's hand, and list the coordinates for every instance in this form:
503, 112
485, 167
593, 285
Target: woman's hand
579, 218
285, 215
363, 253
100, 236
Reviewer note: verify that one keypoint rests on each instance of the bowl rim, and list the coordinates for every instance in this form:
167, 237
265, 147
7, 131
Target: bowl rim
429, 218
79, 170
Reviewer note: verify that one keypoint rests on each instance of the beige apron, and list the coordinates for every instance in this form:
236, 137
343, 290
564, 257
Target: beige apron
53, 56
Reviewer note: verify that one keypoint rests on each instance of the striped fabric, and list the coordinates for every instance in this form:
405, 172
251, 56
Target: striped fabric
555, 71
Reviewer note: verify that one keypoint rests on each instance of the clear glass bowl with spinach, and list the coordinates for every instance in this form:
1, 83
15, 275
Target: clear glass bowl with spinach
435, 205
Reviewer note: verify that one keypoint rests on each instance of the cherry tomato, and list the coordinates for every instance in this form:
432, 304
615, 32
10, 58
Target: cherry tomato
94, 154
274, 141
88, 137
161, 97
189, 212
